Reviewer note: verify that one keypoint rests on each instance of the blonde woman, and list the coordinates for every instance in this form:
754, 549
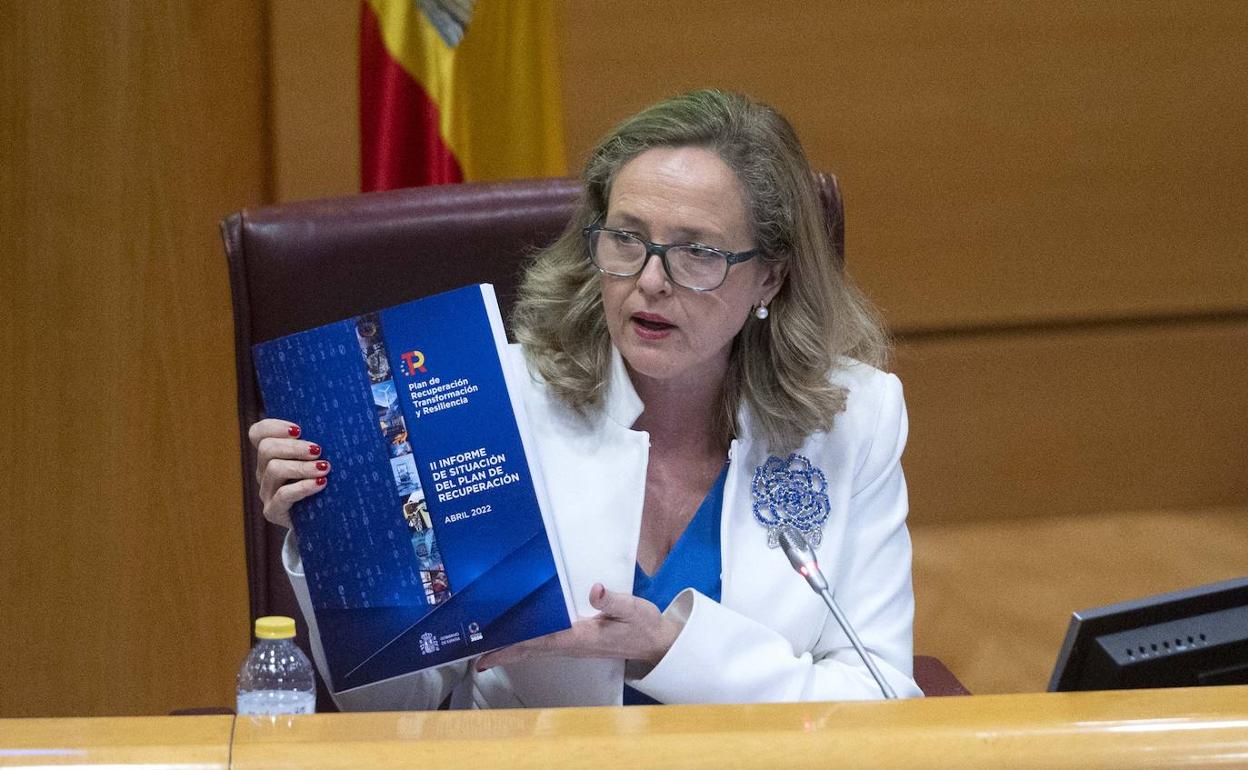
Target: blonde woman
702, 374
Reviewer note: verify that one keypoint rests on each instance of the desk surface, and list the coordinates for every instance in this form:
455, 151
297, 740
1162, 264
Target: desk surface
1192, 727
202, 743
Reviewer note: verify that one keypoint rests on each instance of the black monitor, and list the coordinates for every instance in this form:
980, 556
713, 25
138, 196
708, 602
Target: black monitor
1189, 638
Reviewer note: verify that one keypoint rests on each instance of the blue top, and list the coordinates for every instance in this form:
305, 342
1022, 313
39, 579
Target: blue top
694, 562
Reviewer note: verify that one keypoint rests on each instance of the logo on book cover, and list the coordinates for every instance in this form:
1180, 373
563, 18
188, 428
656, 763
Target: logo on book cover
474, 632
428, 643
415, 361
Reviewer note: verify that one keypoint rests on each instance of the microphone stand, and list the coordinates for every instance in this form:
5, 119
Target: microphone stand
802, 557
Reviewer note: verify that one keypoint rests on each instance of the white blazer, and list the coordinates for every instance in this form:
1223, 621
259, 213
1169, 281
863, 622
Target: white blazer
769, 638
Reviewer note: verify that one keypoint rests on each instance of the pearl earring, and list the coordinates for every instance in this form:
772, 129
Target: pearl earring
761, 312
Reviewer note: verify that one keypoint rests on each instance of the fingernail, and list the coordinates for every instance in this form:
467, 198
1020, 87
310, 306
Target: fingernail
294, 431
321, 465
314, 450
321, 481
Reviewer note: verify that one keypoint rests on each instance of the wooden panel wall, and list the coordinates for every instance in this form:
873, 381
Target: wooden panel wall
1017, 176
129, 129
314, 96
1046, 199
1062, 422
1001, 161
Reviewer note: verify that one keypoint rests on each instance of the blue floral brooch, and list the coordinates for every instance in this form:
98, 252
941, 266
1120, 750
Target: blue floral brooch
790, 493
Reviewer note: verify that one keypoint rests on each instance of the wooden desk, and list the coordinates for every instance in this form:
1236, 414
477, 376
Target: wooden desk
1138, 728
202, 743
1141, 728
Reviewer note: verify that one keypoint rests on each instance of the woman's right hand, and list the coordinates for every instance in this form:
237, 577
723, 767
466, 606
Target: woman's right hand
287, 467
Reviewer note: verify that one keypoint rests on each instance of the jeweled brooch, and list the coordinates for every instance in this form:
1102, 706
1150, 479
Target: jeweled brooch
790, 493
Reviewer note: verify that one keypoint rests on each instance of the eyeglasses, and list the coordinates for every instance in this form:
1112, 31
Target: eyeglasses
692, 265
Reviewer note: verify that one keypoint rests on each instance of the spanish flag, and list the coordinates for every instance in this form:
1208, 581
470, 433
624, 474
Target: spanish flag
458, 90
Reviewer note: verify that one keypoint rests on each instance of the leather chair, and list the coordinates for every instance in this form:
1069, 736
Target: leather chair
300, 265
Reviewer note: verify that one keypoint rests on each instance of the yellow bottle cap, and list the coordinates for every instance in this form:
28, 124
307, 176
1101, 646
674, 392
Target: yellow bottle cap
275, 627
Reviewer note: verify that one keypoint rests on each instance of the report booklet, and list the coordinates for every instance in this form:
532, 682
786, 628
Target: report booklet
430, 543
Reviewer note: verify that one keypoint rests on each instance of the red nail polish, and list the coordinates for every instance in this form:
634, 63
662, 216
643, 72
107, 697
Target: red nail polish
294, 431
321, 481
314, 450
322, 466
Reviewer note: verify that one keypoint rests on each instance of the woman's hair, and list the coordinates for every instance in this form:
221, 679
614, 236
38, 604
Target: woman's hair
780, 366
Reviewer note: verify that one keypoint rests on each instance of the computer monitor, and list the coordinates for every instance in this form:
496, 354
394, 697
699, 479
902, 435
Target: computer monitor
1194, 637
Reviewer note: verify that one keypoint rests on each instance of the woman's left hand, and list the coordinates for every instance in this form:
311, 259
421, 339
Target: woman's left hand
626, 627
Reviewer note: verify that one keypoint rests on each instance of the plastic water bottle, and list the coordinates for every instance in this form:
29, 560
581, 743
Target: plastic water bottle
277, 677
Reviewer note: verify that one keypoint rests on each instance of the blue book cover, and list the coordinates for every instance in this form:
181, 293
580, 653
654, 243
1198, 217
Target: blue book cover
430, 543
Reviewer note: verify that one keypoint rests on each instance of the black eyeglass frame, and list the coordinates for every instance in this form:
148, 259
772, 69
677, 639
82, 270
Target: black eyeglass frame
660, 250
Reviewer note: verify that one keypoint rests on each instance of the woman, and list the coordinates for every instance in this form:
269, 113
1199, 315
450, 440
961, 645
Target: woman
702, 374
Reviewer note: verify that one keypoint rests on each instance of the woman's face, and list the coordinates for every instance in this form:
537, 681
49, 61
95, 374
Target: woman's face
667, 333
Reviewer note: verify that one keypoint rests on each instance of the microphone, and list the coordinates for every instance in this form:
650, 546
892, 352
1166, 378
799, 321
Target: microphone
802, 557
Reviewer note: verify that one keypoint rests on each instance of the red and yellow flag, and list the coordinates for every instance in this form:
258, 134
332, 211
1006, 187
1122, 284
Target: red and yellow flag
458, 90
